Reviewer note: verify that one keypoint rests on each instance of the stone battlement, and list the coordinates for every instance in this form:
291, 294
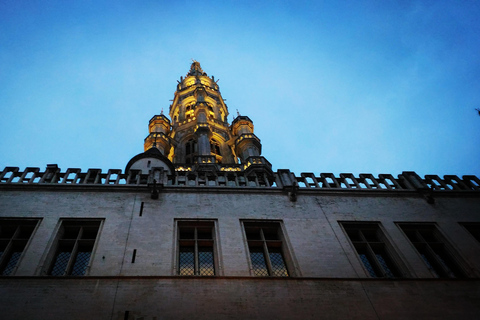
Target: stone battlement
235, 176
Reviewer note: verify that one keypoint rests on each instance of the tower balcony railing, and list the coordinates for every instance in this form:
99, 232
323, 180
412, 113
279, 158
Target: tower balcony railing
205, 159
257, 161
157, 135
220, 175
216, 121
246, 136
202, 126
184, 122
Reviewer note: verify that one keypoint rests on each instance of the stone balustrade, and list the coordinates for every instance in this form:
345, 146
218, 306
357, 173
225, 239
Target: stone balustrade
235, 176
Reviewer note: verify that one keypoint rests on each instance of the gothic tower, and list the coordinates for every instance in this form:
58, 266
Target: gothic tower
199, 133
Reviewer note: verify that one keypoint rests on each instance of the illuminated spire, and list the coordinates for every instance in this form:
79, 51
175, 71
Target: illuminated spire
199, 137
195, 69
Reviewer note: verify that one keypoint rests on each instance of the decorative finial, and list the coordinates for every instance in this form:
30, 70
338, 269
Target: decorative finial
238, 113
195, 69
161, 112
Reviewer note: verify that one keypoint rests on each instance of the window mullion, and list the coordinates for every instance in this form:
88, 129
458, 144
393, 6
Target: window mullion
446, 272
15, 234
364, 240
377, 266
73, 255
420, 237
195, 253
266, 253
5, 256
430, 255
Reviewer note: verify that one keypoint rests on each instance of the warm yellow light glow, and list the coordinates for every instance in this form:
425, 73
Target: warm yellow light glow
230, 169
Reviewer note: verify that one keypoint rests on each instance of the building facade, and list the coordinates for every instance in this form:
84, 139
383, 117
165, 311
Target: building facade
199, 226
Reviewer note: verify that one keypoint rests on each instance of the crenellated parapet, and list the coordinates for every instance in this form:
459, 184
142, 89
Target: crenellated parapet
206, 173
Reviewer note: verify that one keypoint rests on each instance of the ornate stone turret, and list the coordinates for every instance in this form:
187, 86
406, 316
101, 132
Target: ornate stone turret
159, 128
198, 133
246, 143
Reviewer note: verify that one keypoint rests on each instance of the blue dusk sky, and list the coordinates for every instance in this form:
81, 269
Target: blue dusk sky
331, 86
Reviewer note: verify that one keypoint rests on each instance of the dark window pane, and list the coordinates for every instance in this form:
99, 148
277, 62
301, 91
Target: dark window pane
186, 261
258, 262
385, 261
429, 265
270, 234
253, 234
187, 233
354, 235
81, 263
70, 232
428, 235
412, 235
61, 262
7, 231
4, 244
12, 262
25, 232
89, 232
204, 233
447, 262
205, 261
474, 229
278, 264
370, 235
386, 266
368, 265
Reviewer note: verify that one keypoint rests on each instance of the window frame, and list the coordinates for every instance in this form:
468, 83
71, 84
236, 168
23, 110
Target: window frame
14, 241
264, 244
196, 242
392, 266
55, 245
430, 255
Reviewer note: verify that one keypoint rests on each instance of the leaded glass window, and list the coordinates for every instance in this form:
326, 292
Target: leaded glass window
434, 249
373, 249
266, 249
14, 236
196, 248
74, 247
